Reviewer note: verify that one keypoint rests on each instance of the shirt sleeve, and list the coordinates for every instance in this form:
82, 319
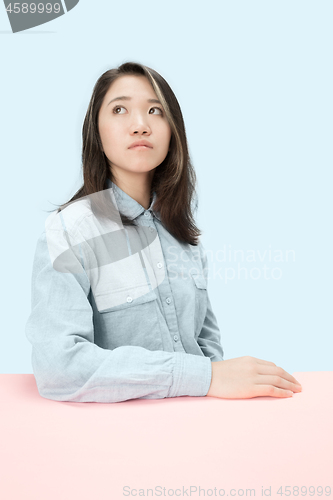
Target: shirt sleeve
69, 366
209, 339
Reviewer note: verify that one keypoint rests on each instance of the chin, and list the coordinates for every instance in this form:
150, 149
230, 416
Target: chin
141, 168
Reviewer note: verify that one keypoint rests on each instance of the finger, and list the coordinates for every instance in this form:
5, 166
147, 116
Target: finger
279, 382
274, 392
277, 370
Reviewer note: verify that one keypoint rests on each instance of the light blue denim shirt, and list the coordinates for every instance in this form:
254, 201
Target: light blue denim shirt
140, 326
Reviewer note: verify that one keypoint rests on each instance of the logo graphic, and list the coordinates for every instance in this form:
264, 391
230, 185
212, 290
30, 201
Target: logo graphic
25, 15
122, 264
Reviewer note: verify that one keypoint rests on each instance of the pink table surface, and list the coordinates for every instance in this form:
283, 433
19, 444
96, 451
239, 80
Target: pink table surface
62, 450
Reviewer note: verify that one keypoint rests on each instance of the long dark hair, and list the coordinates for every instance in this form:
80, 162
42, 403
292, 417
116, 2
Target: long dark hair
174, 179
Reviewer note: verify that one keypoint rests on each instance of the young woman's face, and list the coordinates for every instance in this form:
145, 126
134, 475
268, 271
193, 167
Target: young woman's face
123, 122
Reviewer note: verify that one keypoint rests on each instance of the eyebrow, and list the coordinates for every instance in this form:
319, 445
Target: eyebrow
127, 98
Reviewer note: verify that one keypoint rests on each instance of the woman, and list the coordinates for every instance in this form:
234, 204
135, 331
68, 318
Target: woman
120, 308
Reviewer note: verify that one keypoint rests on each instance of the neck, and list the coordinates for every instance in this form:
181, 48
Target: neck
136, 185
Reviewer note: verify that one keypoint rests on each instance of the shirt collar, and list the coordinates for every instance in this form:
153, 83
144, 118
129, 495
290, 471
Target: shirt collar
127, 205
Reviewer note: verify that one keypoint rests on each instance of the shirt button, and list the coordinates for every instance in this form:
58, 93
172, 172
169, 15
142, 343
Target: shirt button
147, 214
168, 300
175, 338
129, 299
151, 229
159, 265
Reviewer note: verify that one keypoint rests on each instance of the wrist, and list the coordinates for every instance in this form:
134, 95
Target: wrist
211, 381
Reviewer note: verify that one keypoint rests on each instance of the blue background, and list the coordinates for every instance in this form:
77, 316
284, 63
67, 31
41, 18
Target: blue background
254, 81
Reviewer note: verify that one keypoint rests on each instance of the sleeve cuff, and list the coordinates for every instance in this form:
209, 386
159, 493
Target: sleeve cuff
192, 375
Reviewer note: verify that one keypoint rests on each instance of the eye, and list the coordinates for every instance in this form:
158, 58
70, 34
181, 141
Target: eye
117, 107
158, 109
122, 107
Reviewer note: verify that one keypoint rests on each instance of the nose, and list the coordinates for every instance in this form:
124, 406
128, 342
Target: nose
140, 126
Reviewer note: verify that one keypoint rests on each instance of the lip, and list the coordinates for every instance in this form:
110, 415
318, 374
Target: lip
141, 145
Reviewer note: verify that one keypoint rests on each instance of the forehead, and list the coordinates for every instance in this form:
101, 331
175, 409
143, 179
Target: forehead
131, 85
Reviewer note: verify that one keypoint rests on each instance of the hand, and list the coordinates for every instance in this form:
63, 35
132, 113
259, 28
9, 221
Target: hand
248, 377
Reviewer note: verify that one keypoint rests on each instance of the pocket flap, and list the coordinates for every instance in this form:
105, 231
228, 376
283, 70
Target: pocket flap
200, 281
114, 300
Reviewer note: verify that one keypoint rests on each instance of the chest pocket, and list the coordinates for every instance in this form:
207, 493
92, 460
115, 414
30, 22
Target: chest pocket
133, 322
200, 289
127, 298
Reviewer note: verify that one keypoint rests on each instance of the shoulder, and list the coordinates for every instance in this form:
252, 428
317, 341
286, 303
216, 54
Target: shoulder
79, 216
69, 217
77, 224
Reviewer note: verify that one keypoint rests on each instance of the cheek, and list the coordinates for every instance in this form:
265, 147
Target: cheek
166, 135
108, 135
